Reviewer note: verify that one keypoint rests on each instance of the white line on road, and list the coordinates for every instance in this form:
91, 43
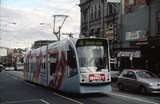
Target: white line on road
73, 100
137, 99
27, 83
14, 77
45, 101
24, 101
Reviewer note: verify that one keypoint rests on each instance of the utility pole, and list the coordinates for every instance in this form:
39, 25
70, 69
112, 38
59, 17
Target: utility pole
121, 21
58, 33
88, 19
103, 17
148, 2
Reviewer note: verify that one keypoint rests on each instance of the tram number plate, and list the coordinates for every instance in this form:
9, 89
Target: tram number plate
97, 77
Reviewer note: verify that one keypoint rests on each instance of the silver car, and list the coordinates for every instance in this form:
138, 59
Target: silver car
1, 67
141, 80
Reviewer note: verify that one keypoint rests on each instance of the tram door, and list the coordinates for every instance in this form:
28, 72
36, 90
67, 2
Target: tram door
52, 63
57, 66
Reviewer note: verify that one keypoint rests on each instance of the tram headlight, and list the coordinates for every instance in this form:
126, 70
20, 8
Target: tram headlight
83, 77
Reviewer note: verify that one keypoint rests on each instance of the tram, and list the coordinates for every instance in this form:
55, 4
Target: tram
71, 65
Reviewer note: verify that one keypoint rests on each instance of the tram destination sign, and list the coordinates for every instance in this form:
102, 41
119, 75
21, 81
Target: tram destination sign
97, 77
90, 43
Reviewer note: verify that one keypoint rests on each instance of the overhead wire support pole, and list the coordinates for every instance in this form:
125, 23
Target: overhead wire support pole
54, 24
61, 26
58, 33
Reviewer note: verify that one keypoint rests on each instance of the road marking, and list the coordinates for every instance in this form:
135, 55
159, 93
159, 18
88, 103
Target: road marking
27, 83
14, 77
73, 100
45, 101
24, 101
8, 74
137, 99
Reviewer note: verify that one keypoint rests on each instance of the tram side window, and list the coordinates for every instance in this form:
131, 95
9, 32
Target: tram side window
71, 61
32, 67
44, 66
27, 66
52, 68
26, 63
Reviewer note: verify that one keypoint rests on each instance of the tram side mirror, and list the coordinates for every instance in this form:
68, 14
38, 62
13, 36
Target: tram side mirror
71, 57
69, 52
22, 60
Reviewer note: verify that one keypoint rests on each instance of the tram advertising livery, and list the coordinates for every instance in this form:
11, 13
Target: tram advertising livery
71, 65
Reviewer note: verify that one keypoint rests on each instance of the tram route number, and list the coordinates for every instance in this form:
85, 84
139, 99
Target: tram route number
97, 77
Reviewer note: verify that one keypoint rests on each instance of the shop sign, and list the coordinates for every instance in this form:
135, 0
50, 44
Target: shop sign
133, 54
109, 34
136, 36
114, 1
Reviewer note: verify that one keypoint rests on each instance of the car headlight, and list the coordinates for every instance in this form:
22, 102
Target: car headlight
152, 84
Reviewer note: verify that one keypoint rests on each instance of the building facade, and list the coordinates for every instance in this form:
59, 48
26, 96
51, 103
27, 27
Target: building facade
132, 25
140, 35
98, 18
131, 5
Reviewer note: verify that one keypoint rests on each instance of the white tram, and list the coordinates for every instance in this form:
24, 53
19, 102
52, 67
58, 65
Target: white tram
71, 65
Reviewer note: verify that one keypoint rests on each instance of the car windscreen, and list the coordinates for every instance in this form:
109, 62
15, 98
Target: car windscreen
146, 74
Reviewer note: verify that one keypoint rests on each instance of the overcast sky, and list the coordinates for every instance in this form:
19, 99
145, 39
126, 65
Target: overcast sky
20, 20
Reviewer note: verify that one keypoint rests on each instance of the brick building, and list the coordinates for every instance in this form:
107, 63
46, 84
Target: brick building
131, 5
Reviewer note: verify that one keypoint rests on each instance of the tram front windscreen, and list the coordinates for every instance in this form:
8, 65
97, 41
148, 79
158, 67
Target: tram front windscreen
93, 53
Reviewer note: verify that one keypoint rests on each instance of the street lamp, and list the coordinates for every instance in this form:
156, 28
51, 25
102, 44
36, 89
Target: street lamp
148, 2
103, 17
103, 27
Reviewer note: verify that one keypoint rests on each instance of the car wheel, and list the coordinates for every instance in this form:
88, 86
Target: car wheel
120, 86
143, 90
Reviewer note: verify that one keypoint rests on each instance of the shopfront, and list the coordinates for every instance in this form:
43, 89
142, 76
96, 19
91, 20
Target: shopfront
130, 58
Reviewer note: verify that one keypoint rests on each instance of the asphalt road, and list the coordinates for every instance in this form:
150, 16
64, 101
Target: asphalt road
14, 90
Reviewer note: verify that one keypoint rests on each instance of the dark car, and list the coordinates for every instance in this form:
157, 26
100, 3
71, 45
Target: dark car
141, 80
1, 67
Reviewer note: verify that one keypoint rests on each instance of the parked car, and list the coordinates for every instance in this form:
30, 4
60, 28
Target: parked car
142, 80
1, 67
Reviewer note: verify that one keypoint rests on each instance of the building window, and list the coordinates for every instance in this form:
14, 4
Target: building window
95, 12
131, 2
92, 14
85, 15
99, 12
158, 22
110, 9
